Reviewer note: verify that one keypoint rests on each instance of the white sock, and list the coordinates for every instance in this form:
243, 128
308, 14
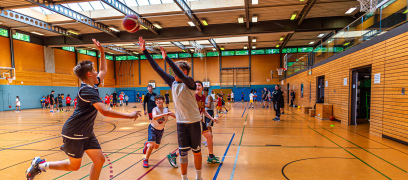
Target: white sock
198, 176
44, 166
184, 177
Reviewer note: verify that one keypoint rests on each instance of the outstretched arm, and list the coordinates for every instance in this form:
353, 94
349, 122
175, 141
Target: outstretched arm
189, 81
103, 69
209, 117
166, 77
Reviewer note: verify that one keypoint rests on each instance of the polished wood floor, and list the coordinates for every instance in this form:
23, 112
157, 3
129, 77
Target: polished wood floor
250, 143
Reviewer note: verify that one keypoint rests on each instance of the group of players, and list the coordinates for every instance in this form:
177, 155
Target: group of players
50, 101
189, 104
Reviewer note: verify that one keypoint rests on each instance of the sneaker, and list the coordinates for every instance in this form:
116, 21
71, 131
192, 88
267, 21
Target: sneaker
214, 160
172, 160
145, 148
34, 169
277, 119
216, 115
263, 106
267, 106
283, 113
146, 163
205, 143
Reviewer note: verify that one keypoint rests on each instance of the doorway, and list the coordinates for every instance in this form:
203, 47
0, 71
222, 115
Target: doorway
288, 94
320, 87
1, 101
360, 102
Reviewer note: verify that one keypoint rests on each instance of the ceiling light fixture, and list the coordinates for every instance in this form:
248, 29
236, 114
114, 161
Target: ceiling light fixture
281, 39
37, 33
293, 17
157, 26
114, 29
254, 19
191, 50
222, 49
254, 2
204, 22
351, 10
214, 49
245, 47
253, 39
311, 42
277, 45
254, 47
135, 53
73, 32
191, 23
320, 35
241, 20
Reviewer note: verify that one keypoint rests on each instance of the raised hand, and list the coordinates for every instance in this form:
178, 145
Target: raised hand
142, 43
135, 115
98, 45
164, 54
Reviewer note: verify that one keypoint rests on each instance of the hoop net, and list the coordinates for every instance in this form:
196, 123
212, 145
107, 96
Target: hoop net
368, 5
280, 71
198, 49
268, 79
9, 80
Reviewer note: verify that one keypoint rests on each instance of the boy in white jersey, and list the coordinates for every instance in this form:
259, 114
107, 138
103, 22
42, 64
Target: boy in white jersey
186, 108
156, 127
251, 99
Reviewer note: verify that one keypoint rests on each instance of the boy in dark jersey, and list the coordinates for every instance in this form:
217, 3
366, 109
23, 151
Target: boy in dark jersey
167, 99
149, 100
52, 102
77, 132
186, 108
60, 106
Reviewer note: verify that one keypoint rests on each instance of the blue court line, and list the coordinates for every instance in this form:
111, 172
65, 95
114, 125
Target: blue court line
243, 113
223, 158
239, 147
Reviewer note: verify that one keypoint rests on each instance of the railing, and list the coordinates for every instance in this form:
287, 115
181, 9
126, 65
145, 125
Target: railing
388, 15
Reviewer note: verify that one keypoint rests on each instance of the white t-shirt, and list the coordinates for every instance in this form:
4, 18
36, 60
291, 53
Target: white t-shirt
251, 96
213, 96
18, 102
269, 94
232, 95
185, 103
160, 123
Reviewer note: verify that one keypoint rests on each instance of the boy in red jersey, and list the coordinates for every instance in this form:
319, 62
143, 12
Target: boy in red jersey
68, 102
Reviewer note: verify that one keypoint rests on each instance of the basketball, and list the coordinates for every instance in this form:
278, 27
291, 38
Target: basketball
131, 23
331, 118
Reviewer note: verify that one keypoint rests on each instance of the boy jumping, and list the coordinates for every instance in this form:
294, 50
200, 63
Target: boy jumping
186, 108
77, 132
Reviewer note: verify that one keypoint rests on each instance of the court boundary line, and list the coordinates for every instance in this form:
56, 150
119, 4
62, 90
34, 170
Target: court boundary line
239, 148
223, 158
151, 169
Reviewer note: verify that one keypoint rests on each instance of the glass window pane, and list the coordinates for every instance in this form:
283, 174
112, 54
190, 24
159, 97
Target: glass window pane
130, 2
4, 32
96, 5
86, 6
143, 2
167, 1
75, 7
155, 2
47, 11
38, 9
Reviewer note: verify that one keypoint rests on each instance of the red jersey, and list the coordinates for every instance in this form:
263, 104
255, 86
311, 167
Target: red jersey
106, 99
75, 101
121, 97
68, 100
200, 102
219, 101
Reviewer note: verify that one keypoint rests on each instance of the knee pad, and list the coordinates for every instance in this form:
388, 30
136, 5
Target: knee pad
149, 144
183, 156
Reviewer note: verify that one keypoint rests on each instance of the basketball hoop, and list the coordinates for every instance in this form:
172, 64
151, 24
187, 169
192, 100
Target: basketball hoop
280, 71
268, 79
198, 49
9, 80
368, 5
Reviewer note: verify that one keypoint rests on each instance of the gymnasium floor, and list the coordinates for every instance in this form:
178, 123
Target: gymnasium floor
251, 144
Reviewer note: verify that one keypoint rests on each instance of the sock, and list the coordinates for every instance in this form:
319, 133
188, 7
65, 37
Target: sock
198, 172
184, 177
211, 155
174, 154
44, 166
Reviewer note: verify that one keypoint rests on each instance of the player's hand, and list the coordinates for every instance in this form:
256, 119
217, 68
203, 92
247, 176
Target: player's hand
145, 113
216, 120
172, 115
98, 45
164, 54
142, 43
135, 115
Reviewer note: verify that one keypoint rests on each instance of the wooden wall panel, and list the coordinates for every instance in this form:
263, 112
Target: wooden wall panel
388, 106
83, 57
210, 66
64, 80
261, 66
235, 61
148, 73
5, 57
64, 61
28, 56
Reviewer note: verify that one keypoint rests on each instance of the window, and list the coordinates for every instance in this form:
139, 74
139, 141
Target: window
228, 53
289, 50
241, 52
172, 56
198, 55
22, 37
258, 51
132, 58
121, 58
69, 48
91, 53
212, 54
4, 32
305, 49
143, 57
272, 51
184, 55
82, 51
338, 49
157, 56
109, 57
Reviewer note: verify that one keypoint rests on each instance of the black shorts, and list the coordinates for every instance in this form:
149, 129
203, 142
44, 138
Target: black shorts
76, 147
189, 136
223, 102
154, 135
282, 104
68, 104
52, 102
208, 121
167, 101
60, 105
204, 127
